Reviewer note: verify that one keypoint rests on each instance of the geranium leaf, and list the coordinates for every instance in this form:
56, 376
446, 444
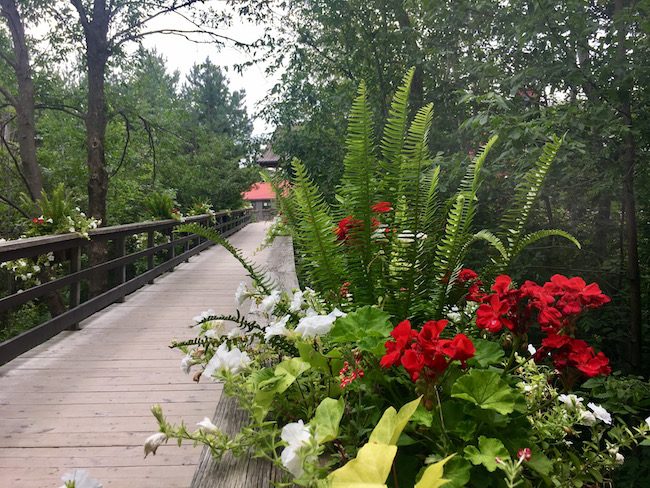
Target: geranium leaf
368, 327
487, 353
432, 476
327, 418
487, 390
392, 423
489, 449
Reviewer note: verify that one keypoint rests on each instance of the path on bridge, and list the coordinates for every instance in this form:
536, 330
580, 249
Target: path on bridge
82, 399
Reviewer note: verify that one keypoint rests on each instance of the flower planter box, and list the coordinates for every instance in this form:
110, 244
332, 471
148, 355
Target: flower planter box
245, 471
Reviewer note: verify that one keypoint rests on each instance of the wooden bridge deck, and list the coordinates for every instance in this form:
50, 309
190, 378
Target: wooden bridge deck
82, 399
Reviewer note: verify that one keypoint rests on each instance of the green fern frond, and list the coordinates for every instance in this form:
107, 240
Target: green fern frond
392, 142
256, 274
527, 192
471, 180
490, 238
533, 237
315, 233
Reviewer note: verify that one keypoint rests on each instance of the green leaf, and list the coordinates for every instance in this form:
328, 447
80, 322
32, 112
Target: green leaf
391, 424
487, 353
457, 471
539, 462
368, 470
432, 477
283, 377
315, 359
488, 450
368, 327
487, 390
327, 419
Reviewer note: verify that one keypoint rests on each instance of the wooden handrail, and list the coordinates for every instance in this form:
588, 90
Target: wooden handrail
70, 247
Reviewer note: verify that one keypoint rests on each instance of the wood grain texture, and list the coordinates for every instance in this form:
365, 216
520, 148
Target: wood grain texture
245, 471
82, 399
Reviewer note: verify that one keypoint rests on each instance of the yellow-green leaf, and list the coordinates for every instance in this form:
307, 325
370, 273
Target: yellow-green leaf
392, 423
369, 469
432, 477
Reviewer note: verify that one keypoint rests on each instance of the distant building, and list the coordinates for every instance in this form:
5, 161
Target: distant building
260, 194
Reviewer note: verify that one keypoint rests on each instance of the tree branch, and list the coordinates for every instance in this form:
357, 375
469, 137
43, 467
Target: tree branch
68, 109
126, 143
186, 33
83, 17
9, 96
11, 154
15, 206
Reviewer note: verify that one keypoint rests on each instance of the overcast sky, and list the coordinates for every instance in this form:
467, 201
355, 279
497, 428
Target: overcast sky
181, 54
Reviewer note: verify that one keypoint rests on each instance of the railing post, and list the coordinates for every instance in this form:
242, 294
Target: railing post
151, 257
120, 244
171, 254
75, 288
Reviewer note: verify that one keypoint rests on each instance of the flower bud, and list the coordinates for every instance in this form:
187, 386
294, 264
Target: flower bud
153, 442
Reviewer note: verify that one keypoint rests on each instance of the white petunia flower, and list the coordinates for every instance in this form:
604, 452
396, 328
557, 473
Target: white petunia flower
278, 328
71, 229
620, 459
186, 364
36, 268
269, 302
232, 360
313, 325
207, 425
572, 402
79, 478
153, 442
600, 413
296, 301
241, 295
203, 315
647, 421
531, 349
296, 435
587, 418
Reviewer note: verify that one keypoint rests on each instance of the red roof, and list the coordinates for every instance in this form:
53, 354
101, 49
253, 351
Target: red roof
259, 191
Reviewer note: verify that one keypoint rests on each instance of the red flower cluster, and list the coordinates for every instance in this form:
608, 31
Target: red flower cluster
468, 276
555, 306
382, 207
38, 220
424, 350
349, 224
348, 375
568, 352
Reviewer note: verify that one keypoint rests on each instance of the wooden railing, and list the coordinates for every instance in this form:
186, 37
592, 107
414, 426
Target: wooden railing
126, 278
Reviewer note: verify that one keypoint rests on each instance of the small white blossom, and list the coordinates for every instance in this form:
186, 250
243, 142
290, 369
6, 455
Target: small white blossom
50, 221
153, 442
647, 421
572, 402
269, 302
531, 349
203, 315
313, 325
207, 425
36, 268
296, 435
232, 360
221, 328
278, 328
296, 301
620, 459
186, 364
79, 478
600, 413
241, 295
71, 229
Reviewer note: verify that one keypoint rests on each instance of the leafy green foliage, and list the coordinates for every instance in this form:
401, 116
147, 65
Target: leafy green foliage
367, 327
487, 390
489, 449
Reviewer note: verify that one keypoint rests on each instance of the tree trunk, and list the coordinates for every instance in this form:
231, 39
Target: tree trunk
625, 83
24, 102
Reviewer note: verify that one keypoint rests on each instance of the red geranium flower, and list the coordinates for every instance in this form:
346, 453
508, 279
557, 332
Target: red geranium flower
491, 315
466, 275
382, 207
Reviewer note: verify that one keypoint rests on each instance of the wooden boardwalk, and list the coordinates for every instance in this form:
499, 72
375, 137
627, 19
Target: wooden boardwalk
82, 399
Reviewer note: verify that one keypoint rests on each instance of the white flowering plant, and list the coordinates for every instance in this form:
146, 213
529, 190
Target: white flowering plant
400, 367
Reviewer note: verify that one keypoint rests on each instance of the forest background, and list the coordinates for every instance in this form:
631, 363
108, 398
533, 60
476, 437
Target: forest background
113, 124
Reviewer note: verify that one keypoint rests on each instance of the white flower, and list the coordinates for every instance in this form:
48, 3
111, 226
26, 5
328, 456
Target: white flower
647, 421
278, 328
296, 301
50, 221
600, 413
221, 328
50, 256
79, 478
296, 435
71, 229
36, 268
207, 425
620, 459
313, 325
232, 360
531, 349
153, 442
454, 315
241, 295
587, 418
203, 315
572, 402
186, 364
269, 302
